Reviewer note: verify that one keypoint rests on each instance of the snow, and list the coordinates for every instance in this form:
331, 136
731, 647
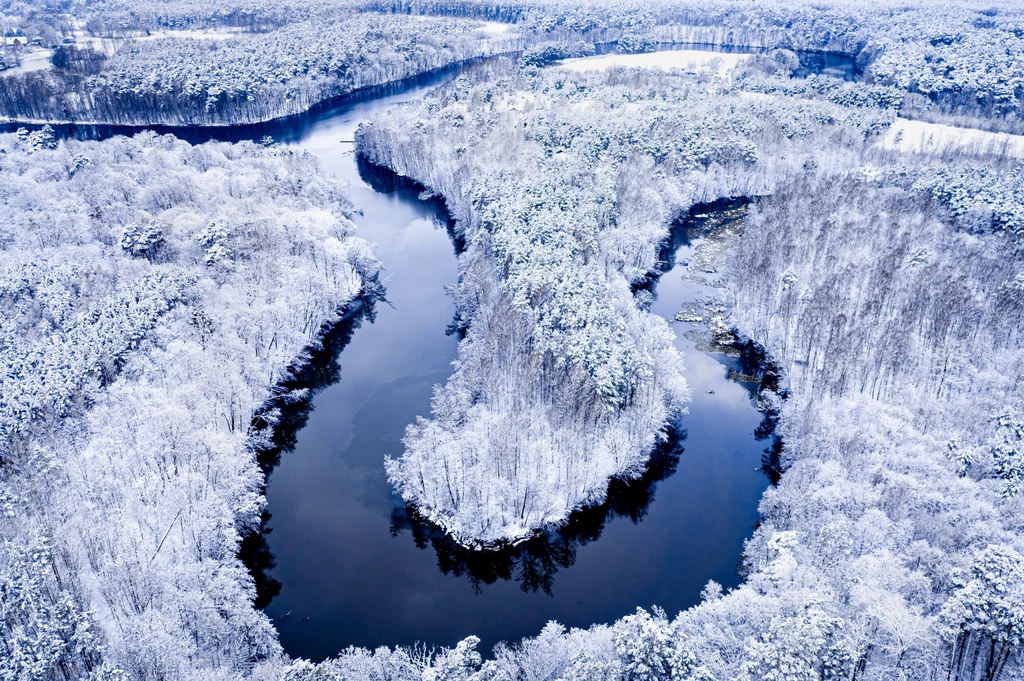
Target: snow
110, 45
544, 223
205, 35
37, 60
495, 28
892, 544
488, 27
296, 68
691, 60
756, 96
157, 287
908, 135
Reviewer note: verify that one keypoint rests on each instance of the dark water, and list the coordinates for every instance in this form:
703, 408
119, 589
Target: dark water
355, 568
343, 563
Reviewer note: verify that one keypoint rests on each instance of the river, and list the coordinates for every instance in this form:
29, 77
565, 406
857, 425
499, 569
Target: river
353, 568
343, 563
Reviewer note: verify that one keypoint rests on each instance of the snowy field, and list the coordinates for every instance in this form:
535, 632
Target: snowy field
690, 60
917, 136
37, 60
110, 45
908, 135
488, 27
205, 35
495, 27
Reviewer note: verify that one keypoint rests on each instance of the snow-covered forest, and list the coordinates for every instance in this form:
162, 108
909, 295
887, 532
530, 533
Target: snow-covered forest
154, 295
956, 61
878, 280
243, 77
563, 202
960, 60
157, 295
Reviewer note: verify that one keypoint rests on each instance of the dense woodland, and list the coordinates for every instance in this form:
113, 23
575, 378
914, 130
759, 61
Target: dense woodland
956, 61
961, 60
156, 295
248, 78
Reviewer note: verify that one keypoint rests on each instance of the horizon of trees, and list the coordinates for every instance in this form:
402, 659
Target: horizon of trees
928, 53
252, 77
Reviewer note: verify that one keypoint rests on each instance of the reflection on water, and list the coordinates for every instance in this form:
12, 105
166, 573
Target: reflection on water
357, 567
279, 423
534, 563
287, 129
384, 181
747, 361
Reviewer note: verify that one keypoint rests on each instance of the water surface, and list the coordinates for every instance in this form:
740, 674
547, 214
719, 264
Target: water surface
355, 567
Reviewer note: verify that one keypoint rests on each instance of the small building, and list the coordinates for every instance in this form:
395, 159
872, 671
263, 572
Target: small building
15, 41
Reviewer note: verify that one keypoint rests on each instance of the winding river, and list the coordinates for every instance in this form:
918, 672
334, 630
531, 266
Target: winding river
354, 568
341, 562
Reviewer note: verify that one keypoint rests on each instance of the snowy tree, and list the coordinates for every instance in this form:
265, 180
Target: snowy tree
149, 369
984, 620
145, 242
1008, 452
802, 647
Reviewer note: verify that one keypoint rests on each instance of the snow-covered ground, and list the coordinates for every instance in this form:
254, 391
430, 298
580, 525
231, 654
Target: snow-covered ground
36, 60
908, 135
690, 60
488, 27
205, 35
917, 136
110, 44
495, 27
